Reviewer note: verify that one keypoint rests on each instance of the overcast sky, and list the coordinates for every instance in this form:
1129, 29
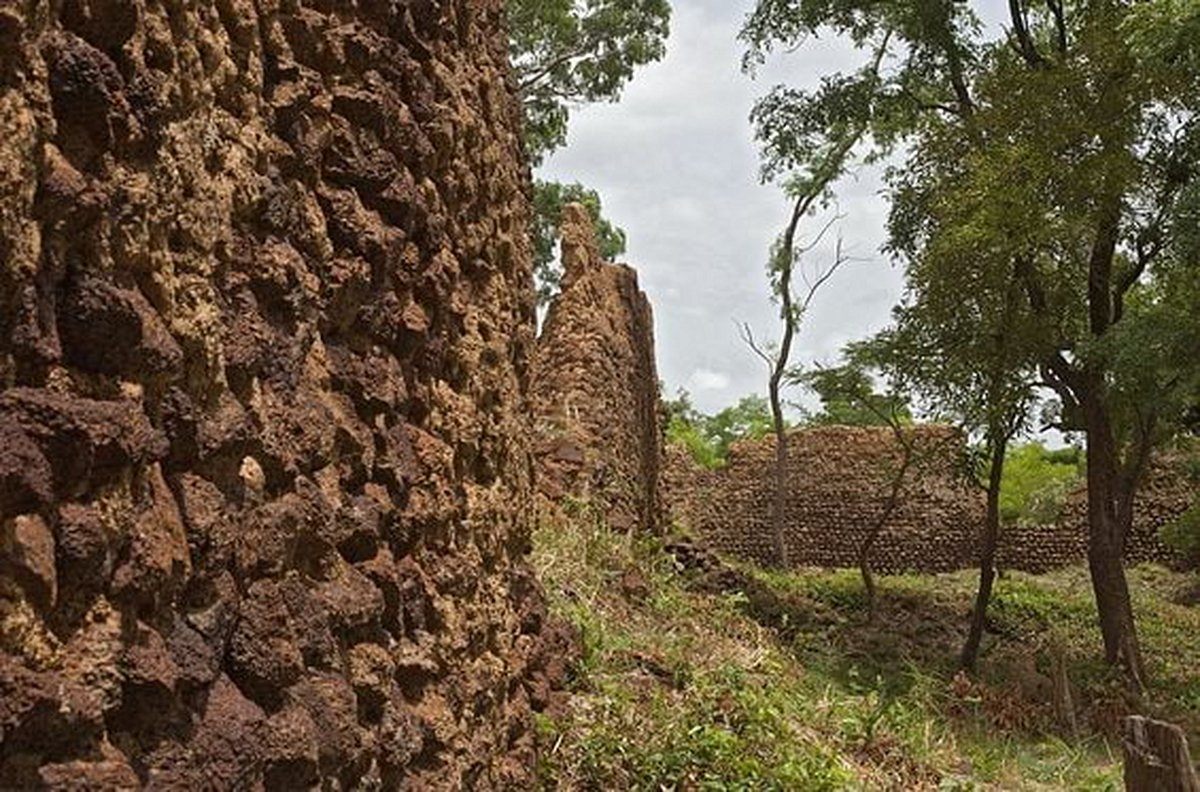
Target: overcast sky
677, 167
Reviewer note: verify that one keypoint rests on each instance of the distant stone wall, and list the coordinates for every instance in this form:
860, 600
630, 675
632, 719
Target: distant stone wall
838, 483
595, 387
837, 486
1166, 492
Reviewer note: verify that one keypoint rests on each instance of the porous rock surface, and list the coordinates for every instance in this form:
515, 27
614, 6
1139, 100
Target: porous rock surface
839, 479
598, 427
265, 317
838, 483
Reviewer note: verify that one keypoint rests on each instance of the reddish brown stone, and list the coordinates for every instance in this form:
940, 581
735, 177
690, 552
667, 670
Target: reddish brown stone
263, 652
26, 481
266, 315
84, 555
330, 702
44, 715
85, 776
595, 388
27, 554
158, 559
290, 750
115, 331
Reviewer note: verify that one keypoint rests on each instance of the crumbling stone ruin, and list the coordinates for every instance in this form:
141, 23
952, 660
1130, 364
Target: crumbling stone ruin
266, 312
1166, 492
837, 486
595, 388
839, 479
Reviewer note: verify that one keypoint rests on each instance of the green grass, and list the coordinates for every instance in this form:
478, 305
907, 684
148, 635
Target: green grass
784, 686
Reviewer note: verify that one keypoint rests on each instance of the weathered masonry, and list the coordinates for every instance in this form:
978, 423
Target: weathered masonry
1166, 492
595, 388
266, 313
839, 481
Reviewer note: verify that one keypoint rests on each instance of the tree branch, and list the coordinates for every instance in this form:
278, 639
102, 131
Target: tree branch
526, 81
747, 336
1100, 269
1024, 40
1060, 24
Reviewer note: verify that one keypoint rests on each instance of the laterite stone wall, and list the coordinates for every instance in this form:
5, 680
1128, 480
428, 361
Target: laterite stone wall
1166, 492
838, 483
266, 313
599, 429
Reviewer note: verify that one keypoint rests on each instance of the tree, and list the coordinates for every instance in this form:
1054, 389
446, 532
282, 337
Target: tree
708, 437
566, 53
1065, 152
1036, 482
807, 171
849, 398
777, 357
967, 352
852, 385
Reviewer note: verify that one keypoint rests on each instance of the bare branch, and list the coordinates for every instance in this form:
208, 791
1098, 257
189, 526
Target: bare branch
747, 335
838, 261
802, 249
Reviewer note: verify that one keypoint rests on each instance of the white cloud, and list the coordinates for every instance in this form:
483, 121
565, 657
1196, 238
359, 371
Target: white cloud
677, 167
703, 379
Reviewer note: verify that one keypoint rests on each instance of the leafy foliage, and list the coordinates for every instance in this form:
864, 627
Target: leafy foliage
849, 395
567, 52
549, 198
708, 437
1036, 482
1183, 533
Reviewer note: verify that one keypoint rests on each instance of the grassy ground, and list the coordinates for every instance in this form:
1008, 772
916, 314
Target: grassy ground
786, 687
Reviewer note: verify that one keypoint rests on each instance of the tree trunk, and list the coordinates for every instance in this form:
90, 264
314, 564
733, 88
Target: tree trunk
868, 578
889, 508
1106, 540
779, 496
987, 558
1156, 757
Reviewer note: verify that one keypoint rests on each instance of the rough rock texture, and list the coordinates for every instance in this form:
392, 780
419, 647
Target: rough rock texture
1166, 492
265, 317
595, 388
839, 480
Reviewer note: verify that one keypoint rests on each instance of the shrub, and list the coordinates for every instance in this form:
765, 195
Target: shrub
1037, 481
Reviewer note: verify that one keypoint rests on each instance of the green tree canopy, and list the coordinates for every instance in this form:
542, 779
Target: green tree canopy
849, 397
567, 53
708, 437
549, 198
1050, 177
